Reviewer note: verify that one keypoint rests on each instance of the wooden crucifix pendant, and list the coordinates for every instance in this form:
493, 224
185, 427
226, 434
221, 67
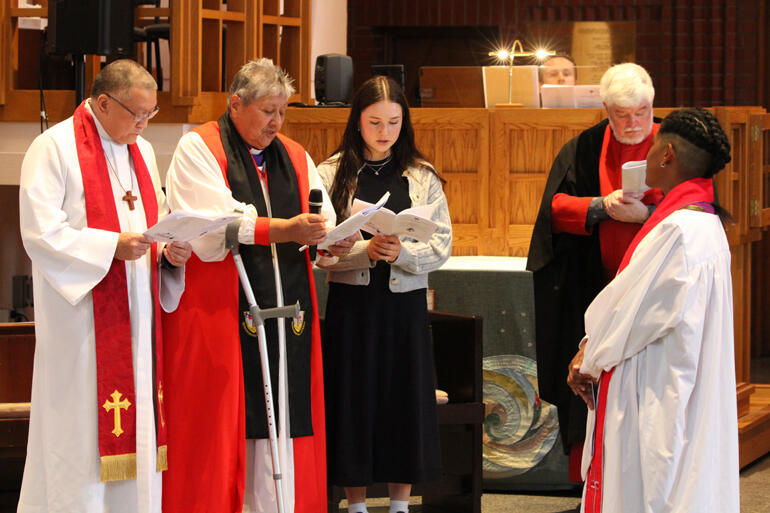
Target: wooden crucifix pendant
129, 198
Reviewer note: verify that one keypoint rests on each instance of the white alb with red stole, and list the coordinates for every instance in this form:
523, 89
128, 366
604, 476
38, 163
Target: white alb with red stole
70, 260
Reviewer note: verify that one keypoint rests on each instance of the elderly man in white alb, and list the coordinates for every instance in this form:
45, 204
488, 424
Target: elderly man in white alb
89, 189
582, 231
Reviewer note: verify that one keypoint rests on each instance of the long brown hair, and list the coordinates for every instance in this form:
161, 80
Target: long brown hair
351, 150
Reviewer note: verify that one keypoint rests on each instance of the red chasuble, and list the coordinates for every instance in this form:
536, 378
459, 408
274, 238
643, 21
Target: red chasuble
692, 191
112, 321
569, 212
206, 403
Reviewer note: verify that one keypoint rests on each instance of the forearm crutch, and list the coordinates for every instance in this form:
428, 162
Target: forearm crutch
258, 317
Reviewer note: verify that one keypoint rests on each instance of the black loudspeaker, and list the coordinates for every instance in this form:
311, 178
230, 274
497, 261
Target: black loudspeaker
102, 27
333, 78
394, 71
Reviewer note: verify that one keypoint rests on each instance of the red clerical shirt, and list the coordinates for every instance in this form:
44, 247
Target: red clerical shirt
568, 213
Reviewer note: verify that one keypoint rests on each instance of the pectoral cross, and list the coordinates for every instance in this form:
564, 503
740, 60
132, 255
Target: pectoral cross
129, 198
116, 405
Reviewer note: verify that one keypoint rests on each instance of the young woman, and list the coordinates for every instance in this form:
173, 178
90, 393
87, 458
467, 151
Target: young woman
378, 362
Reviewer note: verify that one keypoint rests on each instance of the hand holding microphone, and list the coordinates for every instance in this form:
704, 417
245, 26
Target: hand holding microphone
316, 201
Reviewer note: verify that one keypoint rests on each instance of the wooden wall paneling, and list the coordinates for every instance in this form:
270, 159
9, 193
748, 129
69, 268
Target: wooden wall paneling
759, 164
524, 143
236, 51
735, 181
760, 302
733, 186
5, 50
728, 184
318, 130
456, 142
270, 44
185, 56
25, 105
224, 45
291, 60
740, 267
93, 66
211, 54
306, 39
253, 28
17, 350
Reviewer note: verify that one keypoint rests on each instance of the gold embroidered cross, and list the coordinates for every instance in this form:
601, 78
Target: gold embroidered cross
160, 403
116, 405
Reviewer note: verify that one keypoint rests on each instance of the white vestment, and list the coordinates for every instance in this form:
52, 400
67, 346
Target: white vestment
62, 469
195, 183
666, 324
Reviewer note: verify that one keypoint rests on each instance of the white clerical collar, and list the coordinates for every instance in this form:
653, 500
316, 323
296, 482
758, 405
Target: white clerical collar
255, 151
99, 128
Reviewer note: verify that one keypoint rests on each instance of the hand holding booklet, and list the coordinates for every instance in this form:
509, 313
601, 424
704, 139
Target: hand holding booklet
353, 223
412, 222
634, 176
185, 226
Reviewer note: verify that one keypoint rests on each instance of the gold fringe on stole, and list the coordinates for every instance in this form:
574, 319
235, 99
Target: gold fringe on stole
118, 467
161, 462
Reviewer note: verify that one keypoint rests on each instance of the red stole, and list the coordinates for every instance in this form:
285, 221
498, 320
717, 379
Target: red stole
112, 323
614, 236
686, 193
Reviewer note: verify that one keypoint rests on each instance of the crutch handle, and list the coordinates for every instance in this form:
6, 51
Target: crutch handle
281, 311
231, 236
258, 315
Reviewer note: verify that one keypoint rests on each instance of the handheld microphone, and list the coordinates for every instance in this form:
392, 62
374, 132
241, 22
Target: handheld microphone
316, 201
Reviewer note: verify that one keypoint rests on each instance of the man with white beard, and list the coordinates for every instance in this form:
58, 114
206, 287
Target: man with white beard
582, 231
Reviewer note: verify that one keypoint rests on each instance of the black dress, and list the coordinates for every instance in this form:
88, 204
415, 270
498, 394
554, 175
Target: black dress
378, 369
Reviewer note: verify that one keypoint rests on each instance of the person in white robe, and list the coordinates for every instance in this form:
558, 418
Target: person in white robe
659, 344
69, 259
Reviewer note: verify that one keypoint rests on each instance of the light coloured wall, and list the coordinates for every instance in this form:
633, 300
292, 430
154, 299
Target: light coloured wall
329, 22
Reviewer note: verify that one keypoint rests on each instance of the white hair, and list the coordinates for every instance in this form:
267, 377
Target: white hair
626, 85
260, 78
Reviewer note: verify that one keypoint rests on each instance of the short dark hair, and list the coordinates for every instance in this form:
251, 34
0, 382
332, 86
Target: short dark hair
119, 76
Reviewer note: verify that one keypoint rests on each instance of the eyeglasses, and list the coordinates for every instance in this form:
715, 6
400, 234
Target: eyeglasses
138, 118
